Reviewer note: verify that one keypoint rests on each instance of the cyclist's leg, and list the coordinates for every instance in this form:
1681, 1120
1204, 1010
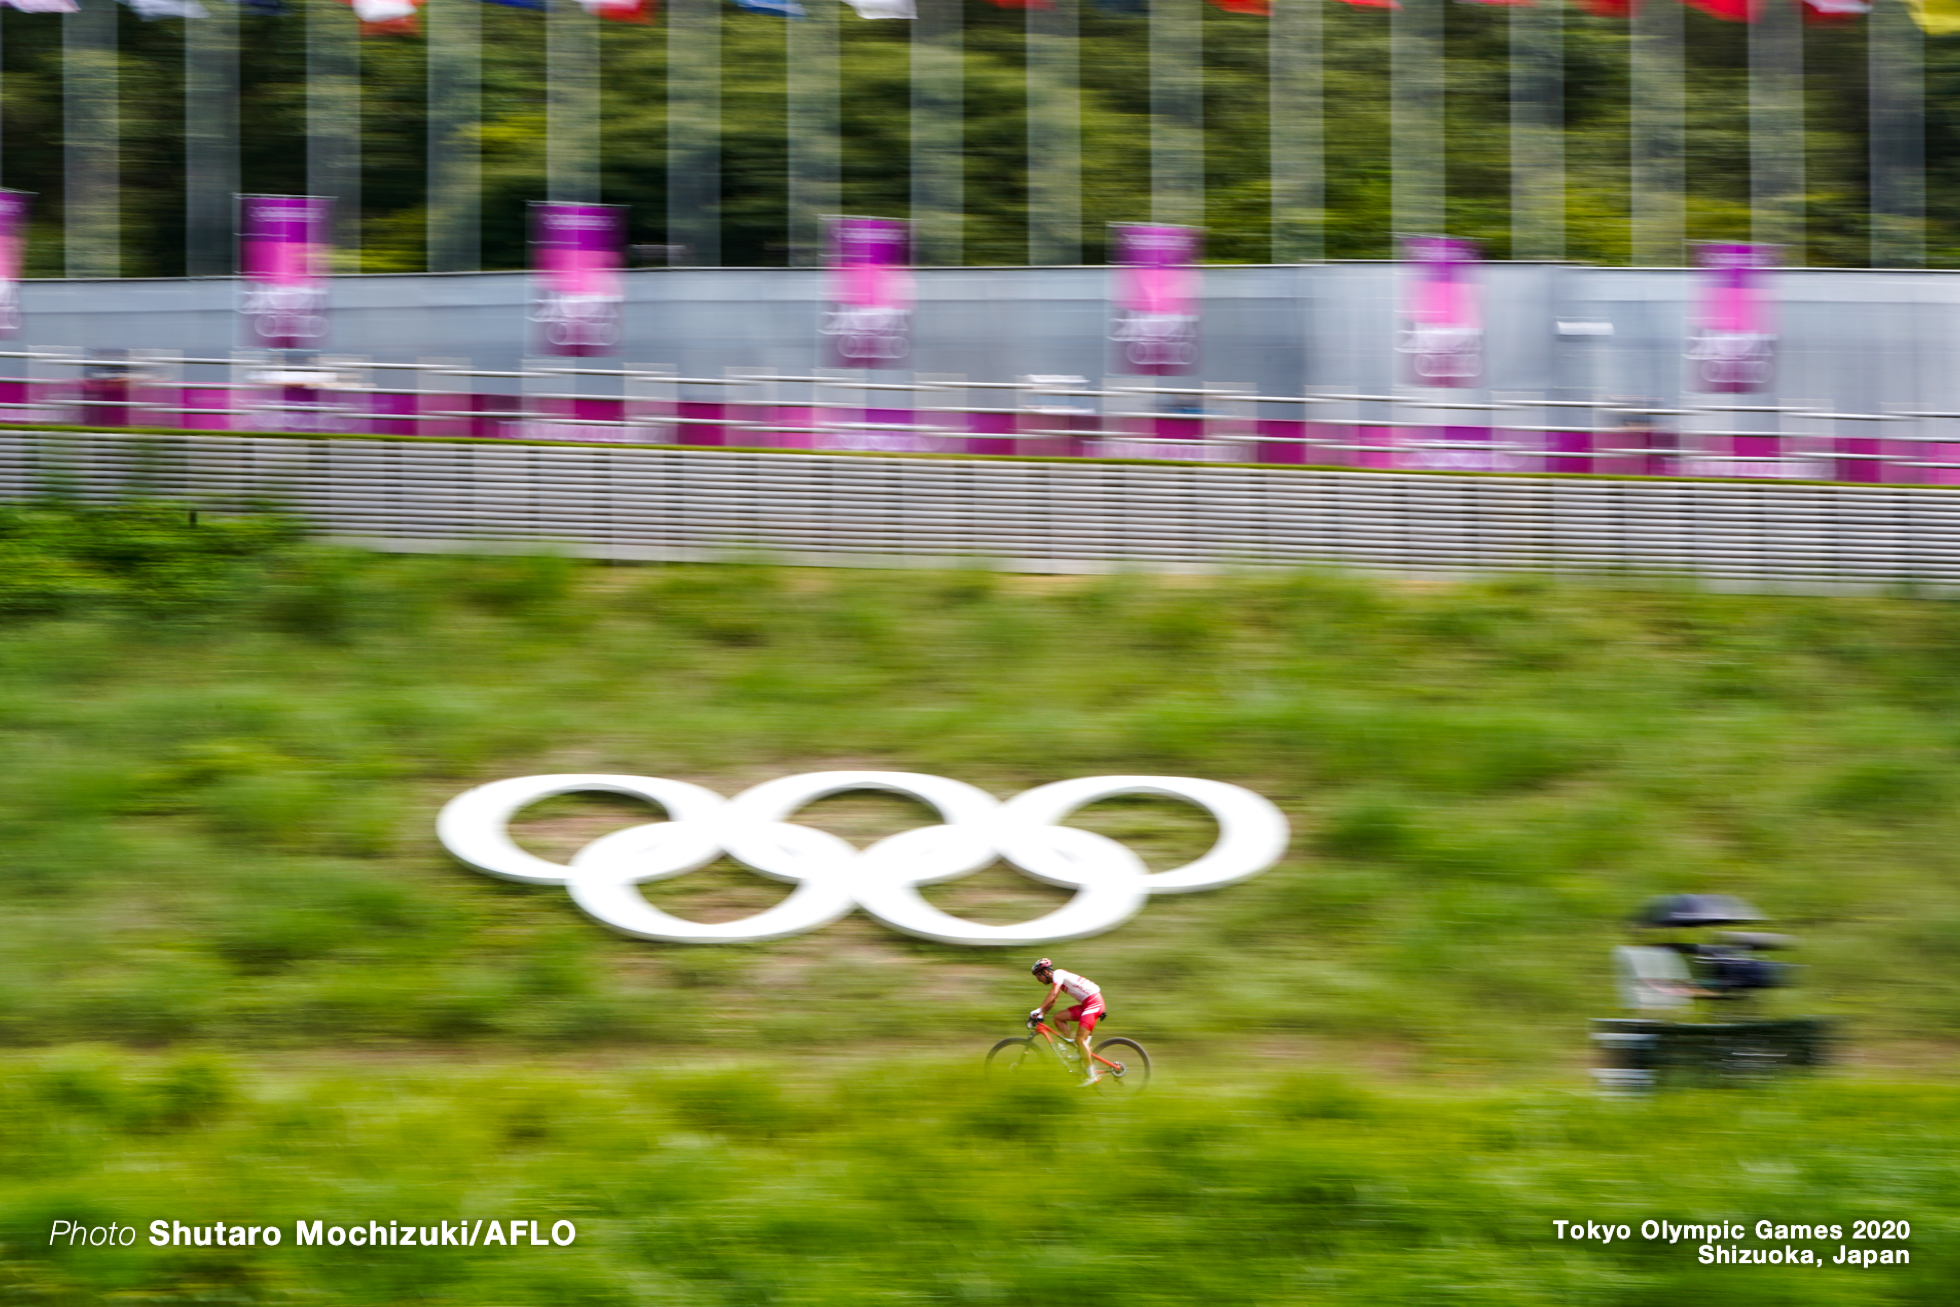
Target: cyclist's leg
1085, 1027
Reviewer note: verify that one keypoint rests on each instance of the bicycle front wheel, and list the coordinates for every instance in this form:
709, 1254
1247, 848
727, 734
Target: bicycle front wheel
1130, 1075
1010, 1057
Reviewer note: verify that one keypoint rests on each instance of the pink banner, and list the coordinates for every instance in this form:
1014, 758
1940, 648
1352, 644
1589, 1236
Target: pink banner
576, 290
869, 322
13, 250
1154, 304
282, 263
1443, 329
1732, 348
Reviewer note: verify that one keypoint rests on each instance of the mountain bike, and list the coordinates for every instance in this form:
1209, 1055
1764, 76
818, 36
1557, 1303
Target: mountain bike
1125, 1064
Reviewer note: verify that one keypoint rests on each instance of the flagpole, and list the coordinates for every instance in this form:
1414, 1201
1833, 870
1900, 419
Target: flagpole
1416, 117
1538, 131
1896, 78
810, 44
210, 139
333, 121
1294, 126
571, 103
455, 165
1776, 130
1657, 199
1177, 148
1054, 94
91, 143
694, 131
938, 132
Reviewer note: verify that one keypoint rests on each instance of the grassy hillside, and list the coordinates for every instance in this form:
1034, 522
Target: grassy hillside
240, 981
223, 751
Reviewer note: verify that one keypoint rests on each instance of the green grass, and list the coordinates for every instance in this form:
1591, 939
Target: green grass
915, 1182
239, 980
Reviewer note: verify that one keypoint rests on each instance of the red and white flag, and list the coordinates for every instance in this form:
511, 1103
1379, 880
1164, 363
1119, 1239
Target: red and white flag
1826, 12
619, 11
1732, 11
386, 17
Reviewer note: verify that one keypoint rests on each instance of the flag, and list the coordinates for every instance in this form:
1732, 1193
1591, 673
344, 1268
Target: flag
1257, 8
883, 8
1372, 4
780, 8
518, 4
1823, 13
1936, 17
386, 17
620, 11
1023, 4
1731, 11
264, 8
45, 6
151, 9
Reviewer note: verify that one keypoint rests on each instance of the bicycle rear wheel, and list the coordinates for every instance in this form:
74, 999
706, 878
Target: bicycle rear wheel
1010, 1057
1131, 1074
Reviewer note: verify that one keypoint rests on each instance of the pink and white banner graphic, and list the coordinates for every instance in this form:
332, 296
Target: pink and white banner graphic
1732, 345
1442, 332
869, 321
1153, 321
282, 263
13, 251
576, 290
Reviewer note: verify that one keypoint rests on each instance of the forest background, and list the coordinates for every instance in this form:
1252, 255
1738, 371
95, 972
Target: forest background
875, 121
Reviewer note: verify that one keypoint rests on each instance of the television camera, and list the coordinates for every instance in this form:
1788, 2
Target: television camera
1693, 982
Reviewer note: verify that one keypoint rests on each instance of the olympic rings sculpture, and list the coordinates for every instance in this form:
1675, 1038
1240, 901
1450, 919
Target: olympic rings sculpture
832, 877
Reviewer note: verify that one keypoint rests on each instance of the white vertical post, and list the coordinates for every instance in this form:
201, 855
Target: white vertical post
333, 121
1177, 148
1295, 148
938, 136
811, 49
571, 104
91, 143
1416, 117
455, 168
1538, 132
694, 131
1895, 53
210, 139
1776, 130
1054, 94
1658, 145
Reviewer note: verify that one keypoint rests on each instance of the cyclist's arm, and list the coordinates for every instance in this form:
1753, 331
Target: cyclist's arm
1054, 991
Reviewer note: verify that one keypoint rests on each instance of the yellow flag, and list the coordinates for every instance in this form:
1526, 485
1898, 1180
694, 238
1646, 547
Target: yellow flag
1936, 17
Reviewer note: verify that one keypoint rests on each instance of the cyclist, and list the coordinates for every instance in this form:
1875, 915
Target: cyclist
1087, 1011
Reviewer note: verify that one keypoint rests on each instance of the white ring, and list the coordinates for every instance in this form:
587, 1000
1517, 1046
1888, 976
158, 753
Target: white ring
1252, 833
475, 825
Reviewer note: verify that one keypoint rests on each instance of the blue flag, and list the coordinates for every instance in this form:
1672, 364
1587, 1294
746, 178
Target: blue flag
780, 8
518, 4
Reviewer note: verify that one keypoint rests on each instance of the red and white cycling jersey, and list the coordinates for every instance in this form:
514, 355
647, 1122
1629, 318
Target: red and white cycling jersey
1079, 988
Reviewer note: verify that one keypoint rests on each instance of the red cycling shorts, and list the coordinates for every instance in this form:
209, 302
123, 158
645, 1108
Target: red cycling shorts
1088, 1012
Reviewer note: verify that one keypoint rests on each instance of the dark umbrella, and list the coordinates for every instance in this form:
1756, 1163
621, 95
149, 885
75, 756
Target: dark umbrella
1697, 910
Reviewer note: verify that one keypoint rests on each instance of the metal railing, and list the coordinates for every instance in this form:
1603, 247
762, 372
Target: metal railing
1044, 416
